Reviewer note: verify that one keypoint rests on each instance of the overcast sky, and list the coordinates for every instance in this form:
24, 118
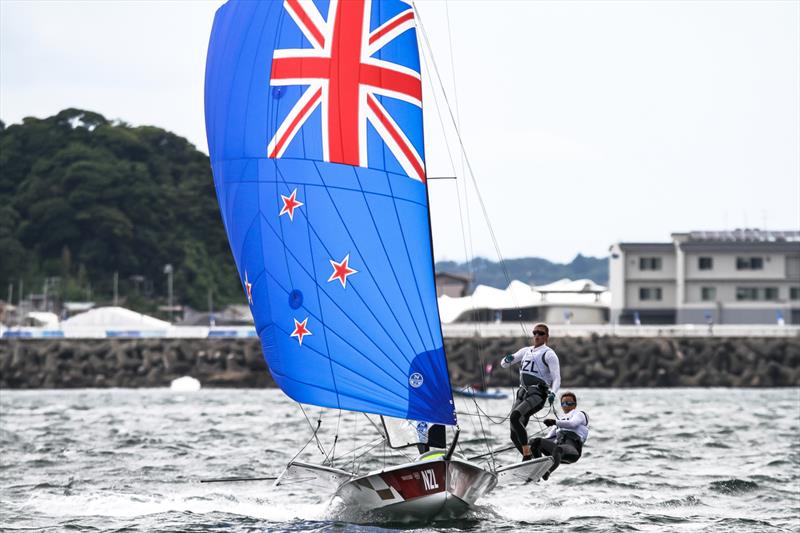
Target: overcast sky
586, 123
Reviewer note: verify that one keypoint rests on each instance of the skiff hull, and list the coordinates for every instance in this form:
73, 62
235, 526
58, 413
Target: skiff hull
418, 491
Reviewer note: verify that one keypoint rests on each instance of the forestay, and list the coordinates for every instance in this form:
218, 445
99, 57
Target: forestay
314, 125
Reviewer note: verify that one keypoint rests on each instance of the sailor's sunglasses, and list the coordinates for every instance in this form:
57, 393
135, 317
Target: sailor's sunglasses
567, 404
537, 333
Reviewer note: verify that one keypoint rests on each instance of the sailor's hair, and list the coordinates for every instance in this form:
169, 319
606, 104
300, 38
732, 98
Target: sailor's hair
543, 326
570, 394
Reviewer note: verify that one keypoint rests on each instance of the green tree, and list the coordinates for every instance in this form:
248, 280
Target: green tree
78, 189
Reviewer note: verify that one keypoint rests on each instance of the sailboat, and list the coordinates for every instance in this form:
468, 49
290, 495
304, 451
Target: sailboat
315, 133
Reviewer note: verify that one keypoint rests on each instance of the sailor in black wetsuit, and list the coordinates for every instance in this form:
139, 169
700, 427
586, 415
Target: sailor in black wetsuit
564, 442
540, 378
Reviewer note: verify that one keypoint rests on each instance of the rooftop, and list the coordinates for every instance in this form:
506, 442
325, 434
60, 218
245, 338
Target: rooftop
740, 235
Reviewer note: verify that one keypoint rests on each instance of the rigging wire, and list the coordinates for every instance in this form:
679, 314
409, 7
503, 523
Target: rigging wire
371, 444
470, 172
314, 436
355, 432
466, 235
464, 239
335, 437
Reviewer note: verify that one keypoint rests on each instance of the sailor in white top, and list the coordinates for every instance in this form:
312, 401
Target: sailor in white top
540, 379
564, 442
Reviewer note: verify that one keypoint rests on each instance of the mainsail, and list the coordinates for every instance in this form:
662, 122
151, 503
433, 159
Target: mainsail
314, 125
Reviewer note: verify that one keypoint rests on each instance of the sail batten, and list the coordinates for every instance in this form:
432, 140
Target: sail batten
314, 124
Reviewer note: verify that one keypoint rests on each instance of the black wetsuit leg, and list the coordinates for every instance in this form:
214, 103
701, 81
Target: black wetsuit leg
527, 403
562, 453
569, 454
536, 447
519, 435
542, 446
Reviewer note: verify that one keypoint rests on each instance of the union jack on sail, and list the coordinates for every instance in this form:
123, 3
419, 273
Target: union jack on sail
345, 80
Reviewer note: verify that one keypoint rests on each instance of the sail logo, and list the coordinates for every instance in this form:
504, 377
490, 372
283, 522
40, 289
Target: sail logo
344, 75
415, 380
429, 480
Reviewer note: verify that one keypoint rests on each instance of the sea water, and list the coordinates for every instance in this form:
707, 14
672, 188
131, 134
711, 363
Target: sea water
132, 460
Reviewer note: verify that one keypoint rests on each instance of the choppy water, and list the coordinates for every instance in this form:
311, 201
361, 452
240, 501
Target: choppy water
131, 460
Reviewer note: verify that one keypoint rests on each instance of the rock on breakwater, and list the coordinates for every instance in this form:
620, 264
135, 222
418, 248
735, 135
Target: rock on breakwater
586, 362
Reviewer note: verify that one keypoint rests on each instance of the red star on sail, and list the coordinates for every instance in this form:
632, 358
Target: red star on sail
249, 288
300, 330
290, 203
341, 270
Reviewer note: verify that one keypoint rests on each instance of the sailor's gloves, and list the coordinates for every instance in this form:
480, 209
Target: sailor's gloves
508, 358
549, 422
551, 398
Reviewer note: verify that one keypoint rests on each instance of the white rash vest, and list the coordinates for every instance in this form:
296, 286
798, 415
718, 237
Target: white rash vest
575, 421
533, 359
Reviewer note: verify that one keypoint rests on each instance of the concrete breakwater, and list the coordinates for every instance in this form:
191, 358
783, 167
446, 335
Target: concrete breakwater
586, 362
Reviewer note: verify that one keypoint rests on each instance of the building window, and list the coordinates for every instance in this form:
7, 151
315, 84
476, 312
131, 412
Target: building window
754, 294
746, 293
749, 263
649, 263
794, 293
705, 263
708, 294
650, 293
771, 294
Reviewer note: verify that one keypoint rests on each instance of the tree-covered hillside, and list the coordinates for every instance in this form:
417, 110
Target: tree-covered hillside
82, 197
531, 270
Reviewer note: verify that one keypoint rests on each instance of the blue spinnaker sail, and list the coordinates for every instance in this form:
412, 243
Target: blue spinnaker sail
314, 125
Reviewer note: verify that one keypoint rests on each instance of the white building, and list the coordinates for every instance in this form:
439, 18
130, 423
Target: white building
720, 277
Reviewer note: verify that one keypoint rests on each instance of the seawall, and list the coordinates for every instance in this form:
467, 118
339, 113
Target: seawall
586, 362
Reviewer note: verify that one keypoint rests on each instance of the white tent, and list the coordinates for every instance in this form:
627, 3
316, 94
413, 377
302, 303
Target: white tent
560, 296
572, 286
114, 318
42, 319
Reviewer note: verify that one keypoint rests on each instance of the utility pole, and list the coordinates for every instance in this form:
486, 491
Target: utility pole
168, 272
10, 303
116, 288
211, 319
19, 303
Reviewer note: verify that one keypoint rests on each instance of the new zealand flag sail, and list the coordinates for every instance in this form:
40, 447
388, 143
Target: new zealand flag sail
314, 125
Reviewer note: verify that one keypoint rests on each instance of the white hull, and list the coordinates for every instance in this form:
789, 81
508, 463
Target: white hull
427, 490
419, 491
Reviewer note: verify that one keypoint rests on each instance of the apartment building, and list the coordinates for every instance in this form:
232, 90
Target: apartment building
723, 277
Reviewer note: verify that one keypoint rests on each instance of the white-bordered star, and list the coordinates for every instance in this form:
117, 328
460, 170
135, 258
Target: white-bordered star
249, 288
290, 203
341, 270
300, 330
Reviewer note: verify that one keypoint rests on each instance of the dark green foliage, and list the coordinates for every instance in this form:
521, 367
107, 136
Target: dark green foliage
530, 270
82, 197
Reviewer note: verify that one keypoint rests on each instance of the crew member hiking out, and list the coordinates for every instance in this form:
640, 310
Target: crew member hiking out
564, 442
540, 379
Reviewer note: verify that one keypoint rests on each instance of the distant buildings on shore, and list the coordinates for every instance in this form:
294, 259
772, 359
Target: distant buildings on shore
707, 277
699, 278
